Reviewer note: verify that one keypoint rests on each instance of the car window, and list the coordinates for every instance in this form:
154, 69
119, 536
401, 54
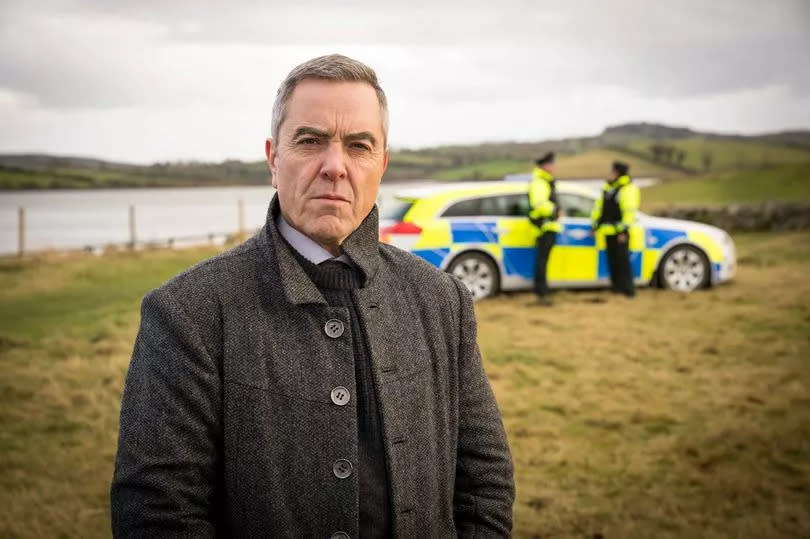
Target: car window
396, 210
493, 206
464, 208
517, 205
575, 205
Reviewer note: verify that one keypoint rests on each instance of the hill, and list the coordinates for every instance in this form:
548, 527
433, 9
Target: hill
652, 149
643, 129
784, 183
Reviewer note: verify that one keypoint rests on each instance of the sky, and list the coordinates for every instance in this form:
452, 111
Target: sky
164, 80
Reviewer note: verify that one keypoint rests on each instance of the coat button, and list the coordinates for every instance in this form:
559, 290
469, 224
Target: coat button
340, 535
342, 468
334, 328
340, 396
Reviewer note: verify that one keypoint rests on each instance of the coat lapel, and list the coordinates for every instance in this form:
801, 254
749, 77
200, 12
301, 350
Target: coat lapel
362, 246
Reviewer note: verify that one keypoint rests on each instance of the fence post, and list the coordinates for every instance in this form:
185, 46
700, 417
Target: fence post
21, 230
132, 236
241, 207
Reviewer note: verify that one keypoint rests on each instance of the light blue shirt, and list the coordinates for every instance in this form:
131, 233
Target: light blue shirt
306, 246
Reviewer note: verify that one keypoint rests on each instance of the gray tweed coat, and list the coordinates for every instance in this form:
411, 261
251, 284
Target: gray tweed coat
228, 424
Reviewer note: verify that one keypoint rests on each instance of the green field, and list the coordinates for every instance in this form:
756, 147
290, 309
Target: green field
670, 416
89, 179
589, 164
779, 183
728, 154
597, 163
489, 170
580, 157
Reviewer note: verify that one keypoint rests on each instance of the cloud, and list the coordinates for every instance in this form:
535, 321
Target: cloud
454, 71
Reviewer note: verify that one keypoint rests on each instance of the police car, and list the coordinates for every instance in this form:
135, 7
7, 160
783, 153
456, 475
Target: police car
481, 234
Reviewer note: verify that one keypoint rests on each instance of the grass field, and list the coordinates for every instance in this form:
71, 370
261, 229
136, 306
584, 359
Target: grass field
597, 163
729, 154
668, 416
590, 164
779, 183
488, 170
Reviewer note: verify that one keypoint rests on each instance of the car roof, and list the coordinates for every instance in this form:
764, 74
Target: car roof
428, 201
455, 190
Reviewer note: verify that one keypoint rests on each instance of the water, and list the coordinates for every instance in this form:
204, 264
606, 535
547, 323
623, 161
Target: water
66, 219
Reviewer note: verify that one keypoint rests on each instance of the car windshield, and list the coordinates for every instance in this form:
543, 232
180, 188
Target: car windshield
396, 210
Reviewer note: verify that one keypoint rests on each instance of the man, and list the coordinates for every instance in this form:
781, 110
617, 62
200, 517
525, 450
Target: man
313, 382
544, 214
613, 216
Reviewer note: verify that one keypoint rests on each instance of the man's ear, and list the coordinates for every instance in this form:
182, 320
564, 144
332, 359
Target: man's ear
271, 155
385, 160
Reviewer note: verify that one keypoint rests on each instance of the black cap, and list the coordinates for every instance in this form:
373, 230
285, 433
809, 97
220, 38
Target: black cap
546, 159
621, 167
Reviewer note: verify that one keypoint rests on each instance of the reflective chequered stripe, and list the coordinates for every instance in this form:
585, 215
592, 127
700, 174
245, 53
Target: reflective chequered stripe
579, 255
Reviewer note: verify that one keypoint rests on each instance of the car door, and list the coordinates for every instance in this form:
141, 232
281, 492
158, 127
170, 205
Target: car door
472, 227
576, 244
584, 252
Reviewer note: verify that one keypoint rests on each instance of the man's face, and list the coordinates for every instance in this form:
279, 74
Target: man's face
549, 168
329, 158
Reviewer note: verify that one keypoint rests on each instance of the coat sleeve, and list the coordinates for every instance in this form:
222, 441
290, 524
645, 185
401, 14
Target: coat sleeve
596, 213
629, 202
539, 193
484, 489
166, 467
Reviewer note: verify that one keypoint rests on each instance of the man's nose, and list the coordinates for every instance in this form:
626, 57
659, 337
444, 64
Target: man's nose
334, 162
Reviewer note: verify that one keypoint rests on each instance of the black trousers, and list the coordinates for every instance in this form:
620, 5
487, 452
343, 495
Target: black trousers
621, 274
545, 242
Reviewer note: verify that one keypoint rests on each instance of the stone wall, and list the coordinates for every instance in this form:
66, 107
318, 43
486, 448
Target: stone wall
745, 218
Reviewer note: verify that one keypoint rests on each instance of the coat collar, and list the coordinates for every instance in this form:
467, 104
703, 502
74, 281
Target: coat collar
362, 246
542, 174
621, 181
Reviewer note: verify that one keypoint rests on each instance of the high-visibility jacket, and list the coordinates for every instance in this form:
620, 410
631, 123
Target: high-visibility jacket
615, 212
545, 210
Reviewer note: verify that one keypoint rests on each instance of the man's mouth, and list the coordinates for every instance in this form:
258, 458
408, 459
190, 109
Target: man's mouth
335, 198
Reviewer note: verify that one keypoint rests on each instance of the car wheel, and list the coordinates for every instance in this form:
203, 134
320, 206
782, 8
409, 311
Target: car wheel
478, 272
684, 268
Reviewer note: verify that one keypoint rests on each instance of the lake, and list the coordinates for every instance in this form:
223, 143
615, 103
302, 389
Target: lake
77, 219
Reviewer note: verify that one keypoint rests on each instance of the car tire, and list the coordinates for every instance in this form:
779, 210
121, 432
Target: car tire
684, 268
479, 274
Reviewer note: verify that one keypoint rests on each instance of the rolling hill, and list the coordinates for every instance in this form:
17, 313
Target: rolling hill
652, 150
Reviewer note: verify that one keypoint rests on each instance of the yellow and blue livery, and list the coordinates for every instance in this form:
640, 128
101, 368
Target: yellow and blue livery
481, 233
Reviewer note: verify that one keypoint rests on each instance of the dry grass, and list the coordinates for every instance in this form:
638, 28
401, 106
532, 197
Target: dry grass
667, 416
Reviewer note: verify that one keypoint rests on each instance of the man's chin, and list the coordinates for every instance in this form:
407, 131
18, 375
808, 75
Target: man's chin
328, 229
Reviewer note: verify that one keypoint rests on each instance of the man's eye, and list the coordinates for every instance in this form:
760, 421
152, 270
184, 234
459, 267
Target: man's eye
360, 146
307, 141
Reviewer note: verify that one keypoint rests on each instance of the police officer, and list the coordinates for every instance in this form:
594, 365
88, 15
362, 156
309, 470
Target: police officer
544, 214
613, 215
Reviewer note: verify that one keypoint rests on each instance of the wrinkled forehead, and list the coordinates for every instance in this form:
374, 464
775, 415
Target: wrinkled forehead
338, 107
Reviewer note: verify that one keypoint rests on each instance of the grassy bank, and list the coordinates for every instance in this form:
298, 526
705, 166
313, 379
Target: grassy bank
727, 154
779, 183
669, 416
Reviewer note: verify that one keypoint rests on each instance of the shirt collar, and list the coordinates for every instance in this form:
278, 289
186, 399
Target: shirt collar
306, 246
362, 246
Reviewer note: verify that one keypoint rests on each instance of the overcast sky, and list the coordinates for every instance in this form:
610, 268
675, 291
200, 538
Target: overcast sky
168, 80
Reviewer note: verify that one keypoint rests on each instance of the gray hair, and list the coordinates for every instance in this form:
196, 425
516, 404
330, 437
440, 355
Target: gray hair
333, 67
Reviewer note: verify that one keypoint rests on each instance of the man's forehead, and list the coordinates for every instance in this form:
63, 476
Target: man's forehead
324, 103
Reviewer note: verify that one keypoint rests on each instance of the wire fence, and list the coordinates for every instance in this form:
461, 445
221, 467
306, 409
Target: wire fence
134, 242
